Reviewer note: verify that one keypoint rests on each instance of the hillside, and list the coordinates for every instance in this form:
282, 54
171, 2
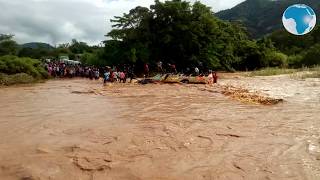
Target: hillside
262, 17
37, 45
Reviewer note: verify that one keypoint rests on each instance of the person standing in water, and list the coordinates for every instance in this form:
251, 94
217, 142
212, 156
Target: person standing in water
111, 77
159, 65
210, 78
122, 77
106, 76
215, 78
131, 73
196, 71
174, 69
146, 70
97, 74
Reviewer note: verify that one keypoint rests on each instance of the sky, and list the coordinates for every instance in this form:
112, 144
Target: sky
60, 21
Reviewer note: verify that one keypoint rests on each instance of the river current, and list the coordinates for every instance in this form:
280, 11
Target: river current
80, 129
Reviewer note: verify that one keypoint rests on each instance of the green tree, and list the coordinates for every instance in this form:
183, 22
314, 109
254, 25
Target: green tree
7, 45
77, 47
185, 34
292, 44
276, 59
311, 56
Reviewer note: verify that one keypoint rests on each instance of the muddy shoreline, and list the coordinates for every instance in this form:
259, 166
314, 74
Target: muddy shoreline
79, 129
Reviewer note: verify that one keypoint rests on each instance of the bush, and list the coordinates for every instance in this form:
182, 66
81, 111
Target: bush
276, 59
14, 65
308, 58
312, 56
295, 61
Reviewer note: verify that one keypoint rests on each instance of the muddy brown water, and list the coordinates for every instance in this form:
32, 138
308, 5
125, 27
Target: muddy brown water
79, 129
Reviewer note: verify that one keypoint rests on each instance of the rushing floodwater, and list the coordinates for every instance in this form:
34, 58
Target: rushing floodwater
78, 129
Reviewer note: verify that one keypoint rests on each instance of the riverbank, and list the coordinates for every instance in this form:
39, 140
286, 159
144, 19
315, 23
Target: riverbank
16, 70
16, 79
302, 73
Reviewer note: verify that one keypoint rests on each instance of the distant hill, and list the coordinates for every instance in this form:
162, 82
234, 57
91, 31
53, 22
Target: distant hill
262, 17
37, 45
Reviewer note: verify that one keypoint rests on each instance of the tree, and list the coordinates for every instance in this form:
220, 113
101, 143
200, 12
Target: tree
276, 59
77, 47
292, 44
302, 51
63, 49
311, 56
173, 32
7, 45
131, 25
185, 34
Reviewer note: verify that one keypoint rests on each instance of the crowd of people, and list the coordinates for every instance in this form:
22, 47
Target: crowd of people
120, 73
114, 74
62, 70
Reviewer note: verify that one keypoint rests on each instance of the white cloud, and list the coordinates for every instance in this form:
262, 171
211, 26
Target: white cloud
218, 5
59, 21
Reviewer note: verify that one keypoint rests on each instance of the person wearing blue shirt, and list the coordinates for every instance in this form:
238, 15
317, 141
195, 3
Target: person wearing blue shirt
106, 76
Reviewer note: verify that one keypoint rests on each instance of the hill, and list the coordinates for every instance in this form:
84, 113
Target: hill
262, 17
37, 45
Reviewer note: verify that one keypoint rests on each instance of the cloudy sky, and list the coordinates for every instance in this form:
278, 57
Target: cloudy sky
59, 21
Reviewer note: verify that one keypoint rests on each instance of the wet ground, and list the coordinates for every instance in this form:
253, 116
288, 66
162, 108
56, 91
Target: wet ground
79, 129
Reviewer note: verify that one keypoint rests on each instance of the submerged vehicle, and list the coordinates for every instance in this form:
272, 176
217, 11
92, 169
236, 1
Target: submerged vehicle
195, 79
172, 78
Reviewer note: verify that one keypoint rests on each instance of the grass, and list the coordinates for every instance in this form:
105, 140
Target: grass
302, 73
307, 72
272, 72
311, 75
312, 69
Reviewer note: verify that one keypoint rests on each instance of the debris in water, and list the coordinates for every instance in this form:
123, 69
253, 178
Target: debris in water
238, 167
229, 135
82, 92
245, 96
89, 164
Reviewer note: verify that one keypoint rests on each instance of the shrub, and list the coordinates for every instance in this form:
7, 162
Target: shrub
312, 56
276, 59
295, 61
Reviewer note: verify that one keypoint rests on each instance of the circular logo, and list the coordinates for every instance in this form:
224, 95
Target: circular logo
299, 19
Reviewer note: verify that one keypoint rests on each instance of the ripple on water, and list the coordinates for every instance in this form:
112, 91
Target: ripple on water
177, 128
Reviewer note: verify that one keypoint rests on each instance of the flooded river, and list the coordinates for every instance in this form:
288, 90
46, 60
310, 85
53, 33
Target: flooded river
80, 130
